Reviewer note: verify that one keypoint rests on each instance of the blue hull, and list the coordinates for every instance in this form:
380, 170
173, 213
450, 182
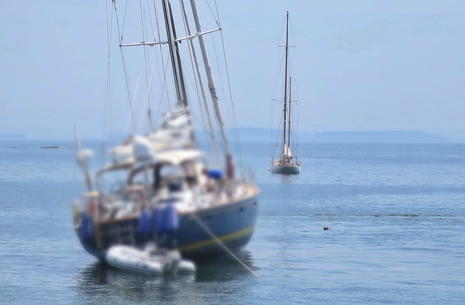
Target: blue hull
233, 224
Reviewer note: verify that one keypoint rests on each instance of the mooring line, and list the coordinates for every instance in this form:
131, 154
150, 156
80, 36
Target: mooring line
220, 243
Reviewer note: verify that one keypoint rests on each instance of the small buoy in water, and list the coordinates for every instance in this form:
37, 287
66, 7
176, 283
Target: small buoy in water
326, 228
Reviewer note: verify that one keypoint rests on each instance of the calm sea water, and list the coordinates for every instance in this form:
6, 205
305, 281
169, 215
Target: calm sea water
396, 212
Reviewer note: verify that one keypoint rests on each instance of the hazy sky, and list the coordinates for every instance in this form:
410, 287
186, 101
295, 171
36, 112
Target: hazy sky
358, 65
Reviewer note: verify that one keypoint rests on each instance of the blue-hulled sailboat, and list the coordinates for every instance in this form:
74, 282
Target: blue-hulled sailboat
170, 194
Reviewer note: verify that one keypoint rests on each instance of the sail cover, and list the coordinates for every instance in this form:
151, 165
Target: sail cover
287, 151
174, 134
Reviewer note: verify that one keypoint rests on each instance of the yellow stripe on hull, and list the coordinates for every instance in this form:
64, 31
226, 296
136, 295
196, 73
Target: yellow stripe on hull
209, 242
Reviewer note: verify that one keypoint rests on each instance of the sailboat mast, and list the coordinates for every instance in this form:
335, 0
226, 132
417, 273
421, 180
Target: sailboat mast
211, 83
289, 116
197, 69
174, 54
285, 79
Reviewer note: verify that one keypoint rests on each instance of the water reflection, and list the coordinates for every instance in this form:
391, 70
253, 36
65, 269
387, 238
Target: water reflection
287, 179
224, 268
100, 281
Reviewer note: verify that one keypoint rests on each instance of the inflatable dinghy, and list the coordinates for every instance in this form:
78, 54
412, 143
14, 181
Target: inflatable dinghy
152, 260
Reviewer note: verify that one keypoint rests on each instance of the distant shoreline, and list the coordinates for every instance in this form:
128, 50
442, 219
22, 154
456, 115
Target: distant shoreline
264, 135
388, 136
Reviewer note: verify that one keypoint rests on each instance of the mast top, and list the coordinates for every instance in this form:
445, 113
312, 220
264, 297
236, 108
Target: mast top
286, 71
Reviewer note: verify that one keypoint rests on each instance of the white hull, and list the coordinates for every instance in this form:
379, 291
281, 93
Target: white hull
285, 169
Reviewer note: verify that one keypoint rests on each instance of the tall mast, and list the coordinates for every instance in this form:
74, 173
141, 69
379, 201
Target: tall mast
211, 83
285, 79
174, 54
289, 116
196, 63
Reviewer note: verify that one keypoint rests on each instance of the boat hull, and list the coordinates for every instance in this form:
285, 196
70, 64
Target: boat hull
232, 223
286, 169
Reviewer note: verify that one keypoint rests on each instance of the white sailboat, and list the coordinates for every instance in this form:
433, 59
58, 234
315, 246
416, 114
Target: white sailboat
287, 163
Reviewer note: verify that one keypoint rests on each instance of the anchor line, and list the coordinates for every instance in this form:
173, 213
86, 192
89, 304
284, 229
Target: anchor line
222, 245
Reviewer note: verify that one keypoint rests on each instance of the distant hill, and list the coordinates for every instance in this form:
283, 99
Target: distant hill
11, 136
252, 134
396, 136
378, 137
